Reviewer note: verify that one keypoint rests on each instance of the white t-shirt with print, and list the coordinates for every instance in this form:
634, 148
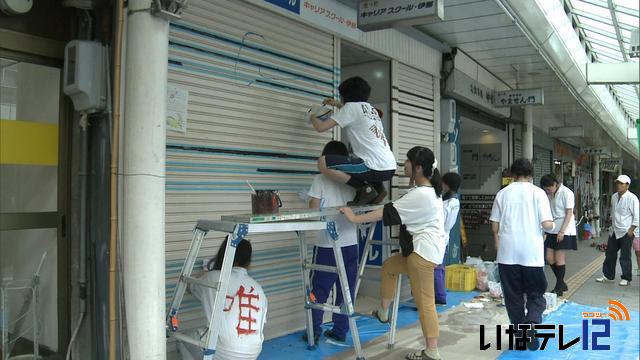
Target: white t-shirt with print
520, 208
562, 200
362, 124
421, 211
245, 313
331, 194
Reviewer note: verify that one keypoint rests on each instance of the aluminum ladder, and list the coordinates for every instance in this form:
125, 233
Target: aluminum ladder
239, 226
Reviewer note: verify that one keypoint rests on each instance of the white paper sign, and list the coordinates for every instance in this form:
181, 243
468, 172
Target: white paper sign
519, 97
177, 101
382, 14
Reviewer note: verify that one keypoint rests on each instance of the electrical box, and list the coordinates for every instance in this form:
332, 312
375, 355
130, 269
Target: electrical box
448, 113
85, 75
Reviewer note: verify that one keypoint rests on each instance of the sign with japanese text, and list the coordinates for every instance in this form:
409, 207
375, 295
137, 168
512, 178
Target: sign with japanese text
518, 97
331, 15
610, 165
382, 14
462, 87
289, 5
597, 150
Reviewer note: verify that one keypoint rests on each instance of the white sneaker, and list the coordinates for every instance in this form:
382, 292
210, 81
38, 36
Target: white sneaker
603, 279
624, 282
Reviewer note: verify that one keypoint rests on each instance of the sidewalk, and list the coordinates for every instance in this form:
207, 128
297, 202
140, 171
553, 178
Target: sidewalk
459, 326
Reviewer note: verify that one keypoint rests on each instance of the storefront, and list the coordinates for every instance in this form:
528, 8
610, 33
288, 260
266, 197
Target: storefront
241, 89
486, 147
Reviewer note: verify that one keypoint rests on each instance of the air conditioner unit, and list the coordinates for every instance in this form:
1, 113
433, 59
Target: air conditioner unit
448, 114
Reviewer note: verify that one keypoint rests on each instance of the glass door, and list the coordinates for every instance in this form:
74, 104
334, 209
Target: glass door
29, 210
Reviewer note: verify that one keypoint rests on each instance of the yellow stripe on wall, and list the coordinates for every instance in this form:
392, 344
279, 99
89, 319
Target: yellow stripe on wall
28, 143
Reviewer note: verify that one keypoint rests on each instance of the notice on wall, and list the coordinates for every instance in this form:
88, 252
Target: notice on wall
177, 102
478, 163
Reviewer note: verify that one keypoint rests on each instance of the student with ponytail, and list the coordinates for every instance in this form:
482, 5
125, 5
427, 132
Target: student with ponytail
421, 216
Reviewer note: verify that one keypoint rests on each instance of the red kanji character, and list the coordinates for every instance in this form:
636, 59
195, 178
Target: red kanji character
228, 308
246, 307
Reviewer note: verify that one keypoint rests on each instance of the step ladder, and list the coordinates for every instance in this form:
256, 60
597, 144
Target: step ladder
393, 322
238, 227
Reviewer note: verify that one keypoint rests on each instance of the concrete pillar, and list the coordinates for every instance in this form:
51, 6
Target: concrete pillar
144, 181
596, 194
527, 133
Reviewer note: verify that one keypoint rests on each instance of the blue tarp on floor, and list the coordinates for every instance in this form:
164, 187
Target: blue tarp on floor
624, 340
292, 347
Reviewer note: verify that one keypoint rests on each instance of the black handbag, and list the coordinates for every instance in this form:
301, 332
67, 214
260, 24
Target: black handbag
406, 241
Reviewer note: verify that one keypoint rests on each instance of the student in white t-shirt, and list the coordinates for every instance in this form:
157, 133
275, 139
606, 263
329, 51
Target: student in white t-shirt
450, 185
326, 193
520, 214
372, 162
563, 237
245, 311
421, 217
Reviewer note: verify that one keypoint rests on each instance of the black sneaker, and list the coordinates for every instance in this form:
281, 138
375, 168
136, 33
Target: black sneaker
316, 337
364, 196
558, 292
382, 193
330, 334
564, 287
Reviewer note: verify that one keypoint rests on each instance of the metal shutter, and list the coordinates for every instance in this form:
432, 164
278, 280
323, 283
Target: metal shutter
251, 74
541, 164
412, 123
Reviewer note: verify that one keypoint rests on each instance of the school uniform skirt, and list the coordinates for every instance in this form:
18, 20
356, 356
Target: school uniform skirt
569, 242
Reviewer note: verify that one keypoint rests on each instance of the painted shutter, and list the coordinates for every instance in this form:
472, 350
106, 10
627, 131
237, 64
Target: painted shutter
251, 74
412, 123
541, 164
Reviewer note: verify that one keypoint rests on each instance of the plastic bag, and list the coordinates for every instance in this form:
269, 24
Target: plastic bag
492, 271
495, 289
472, 261
482, 277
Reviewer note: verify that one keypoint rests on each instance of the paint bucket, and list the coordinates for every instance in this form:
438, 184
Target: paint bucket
265, 202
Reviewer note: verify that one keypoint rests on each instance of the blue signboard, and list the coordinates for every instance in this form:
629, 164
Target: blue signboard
289, 5
375, 254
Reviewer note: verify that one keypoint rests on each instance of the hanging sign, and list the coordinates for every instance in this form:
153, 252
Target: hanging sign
610, 165
597, 150
383, 14
519, 97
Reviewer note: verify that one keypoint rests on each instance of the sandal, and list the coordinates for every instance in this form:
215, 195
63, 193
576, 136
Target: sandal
418, 355
377, 316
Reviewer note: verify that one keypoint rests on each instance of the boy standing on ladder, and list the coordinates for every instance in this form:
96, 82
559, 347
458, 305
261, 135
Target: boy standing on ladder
325, 193
373, 162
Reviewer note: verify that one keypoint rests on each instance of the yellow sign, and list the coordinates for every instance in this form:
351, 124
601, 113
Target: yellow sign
28, 143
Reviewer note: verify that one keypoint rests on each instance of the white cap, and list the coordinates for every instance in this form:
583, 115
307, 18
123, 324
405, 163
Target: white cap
624, 179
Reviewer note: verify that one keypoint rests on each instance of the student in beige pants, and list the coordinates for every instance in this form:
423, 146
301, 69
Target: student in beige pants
421, 216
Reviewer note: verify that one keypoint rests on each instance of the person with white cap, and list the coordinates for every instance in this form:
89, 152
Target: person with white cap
625, 211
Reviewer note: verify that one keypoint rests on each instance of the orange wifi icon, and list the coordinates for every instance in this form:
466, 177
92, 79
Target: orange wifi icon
618, 311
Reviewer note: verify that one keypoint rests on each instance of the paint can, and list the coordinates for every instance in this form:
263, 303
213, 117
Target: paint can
265, 202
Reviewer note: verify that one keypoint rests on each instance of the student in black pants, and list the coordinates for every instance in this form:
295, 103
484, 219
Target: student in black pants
520, 213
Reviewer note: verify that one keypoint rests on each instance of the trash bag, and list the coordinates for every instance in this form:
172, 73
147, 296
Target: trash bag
495, 289
493, 274
482, 277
